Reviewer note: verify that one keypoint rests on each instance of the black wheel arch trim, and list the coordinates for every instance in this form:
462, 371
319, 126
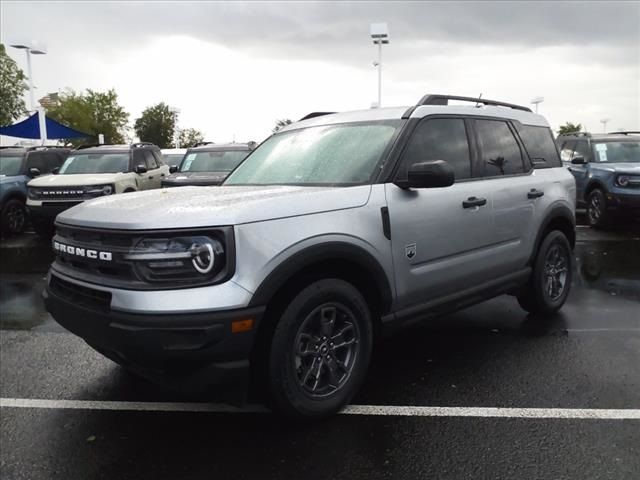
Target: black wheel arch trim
556, 212
591, 186
315, 254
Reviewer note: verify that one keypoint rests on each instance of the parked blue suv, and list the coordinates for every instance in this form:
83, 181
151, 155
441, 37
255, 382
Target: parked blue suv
607, 172
17, 167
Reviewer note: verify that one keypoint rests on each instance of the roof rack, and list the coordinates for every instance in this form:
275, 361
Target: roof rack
3, 147
626, 132
314, 115
575, 134
142, 144
437, 99
88, 145
202, 144
46, 147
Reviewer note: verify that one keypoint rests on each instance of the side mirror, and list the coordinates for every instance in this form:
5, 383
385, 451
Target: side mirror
140, 169
432, 174
578, 160
173, 168
56, 170
34, 172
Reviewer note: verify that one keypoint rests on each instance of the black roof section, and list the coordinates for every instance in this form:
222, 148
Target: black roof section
314, 115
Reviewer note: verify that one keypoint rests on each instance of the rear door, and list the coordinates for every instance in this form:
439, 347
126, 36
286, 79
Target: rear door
507, 173
439, 246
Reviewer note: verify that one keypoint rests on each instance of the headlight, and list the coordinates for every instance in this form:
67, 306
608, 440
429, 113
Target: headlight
190, 259
33, 193
623, 180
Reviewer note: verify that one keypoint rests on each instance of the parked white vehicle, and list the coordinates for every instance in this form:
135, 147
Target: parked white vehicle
90, 173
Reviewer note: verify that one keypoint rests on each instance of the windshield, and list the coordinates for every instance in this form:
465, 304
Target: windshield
344, 154
95, 163
617, 152
218, 161
10, 165
173, 158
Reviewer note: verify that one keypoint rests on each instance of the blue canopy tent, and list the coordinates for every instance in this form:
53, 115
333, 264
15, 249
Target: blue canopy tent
30, 128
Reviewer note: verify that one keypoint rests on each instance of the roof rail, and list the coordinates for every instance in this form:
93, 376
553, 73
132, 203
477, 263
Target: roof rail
46, 147
202, 144
141, 144
575, 134
3, 147
626, 132
436, 99
89, 145
314, 115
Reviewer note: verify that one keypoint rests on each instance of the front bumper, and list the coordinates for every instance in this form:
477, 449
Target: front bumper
46, 212
621, 201
186, 351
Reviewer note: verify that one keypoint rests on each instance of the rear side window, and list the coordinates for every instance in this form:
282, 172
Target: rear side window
439, 139
499, 150
540, 145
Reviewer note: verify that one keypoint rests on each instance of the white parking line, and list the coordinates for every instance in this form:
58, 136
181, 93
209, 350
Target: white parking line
378, 410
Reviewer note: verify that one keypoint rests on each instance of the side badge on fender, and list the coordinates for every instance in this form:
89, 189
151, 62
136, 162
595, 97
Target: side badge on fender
410, 251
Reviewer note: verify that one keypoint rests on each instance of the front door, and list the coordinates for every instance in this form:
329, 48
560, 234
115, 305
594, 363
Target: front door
439, 236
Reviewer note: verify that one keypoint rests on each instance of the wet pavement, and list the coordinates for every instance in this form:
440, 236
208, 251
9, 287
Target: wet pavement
491, 355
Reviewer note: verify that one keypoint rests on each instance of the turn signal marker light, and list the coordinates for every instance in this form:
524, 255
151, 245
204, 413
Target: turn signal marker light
239, 326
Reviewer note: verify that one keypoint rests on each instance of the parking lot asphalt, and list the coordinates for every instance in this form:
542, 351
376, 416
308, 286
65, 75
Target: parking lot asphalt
585, 361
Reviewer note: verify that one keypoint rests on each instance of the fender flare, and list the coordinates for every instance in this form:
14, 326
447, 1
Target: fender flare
315, 254
556, 212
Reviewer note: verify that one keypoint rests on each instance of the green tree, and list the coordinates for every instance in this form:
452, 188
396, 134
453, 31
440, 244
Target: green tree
189, 137
12, 86
92, 113
156, 125
569, 127
281, 123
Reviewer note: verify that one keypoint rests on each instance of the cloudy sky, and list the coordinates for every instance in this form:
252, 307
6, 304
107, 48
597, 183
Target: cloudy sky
234, 68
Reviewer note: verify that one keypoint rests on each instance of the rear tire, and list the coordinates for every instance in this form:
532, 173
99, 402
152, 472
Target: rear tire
13, 217
597, 213
550, 281
320, 350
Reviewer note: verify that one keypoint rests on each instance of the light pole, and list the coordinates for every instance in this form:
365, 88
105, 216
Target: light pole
176, 133
30, 48
537, 101
380, 36
604, 122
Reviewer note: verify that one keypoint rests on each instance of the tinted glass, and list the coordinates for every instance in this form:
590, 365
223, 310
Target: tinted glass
95, 163
37, 160
344, 154
582, 150
219, 161
173, 158
159, 158
566, 152
617, 152
540, 145
499, 150
150, 160
439, 139
10, 165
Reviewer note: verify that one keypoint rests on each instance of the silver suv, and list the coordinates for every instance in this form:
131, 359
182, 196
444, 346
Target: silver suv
334, 230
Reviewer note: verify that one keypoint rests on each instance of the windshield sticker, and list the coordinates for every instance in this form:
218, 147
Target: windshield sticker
601, 148
188, 161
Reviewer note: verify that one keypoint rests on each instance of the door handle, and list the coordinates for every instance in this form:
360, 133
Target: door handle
533, 193
162, 174
474, 202
151, 177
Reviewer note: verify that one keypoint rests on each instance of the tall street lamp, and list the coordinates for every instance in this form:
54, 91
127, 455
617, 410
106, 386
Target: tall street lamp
176, 132
604, 122
537, 101
380, 36
35, 49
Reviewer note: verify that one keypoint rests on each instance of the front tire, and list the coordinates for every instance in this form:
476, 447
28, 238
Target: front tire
550, 282
597, 213
14, 217
320, 350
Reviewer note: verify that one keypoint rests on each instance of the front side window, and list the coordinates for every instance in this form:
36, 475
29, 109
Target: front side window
341, 154
150, 160
582, 150
173, 158
215, 161
10, 165
439, 139
567, 150
617, 152
499, 150
95, 163
540, 145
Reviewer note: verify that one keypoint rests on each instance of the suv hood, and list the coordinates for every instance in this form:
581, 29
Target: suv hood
194, 207
75, 180
623, 167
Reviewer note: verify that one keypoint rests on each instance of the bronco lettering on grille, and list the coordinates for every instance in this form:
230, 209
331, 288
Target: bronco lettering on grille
82, 252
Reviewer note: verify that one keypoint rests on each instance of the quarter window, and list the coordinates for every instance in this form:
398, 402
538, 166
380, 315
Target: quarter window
439, 139
499, 150
540, 145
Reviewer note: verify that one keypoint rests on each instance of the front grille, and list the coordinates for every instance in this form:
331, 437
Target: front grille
60, 204
79, 295
60, 193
